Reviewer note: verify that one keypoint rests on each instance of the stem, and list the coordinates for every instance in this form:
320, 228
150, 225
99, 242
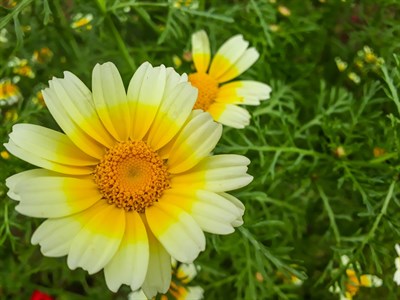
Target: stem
330, 213
129, 59
371, 233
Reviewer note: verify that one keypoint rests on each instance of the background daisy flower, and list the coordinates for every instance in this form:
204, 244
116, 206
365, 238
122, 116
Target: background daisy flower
219, 98
182, 275
9, 93
354, 281
131, 183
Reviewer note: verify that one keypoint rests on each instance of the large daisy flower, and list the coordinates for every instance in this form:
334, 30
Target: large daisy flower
216, 96
131, 182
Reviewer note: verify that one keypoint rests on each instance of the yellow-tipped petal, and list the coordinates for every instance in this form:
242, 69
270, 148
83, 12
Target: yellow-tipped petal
197, 139
245, 61
67, 123
98, 241
201, 51
109, 97
54, 197
226, 57
77, 102
230, 115
176, 230
145, 95
50, 145
130, 262
27, 156
218, 173
14, 180
158, 277
245, 92
179, 98
56, 235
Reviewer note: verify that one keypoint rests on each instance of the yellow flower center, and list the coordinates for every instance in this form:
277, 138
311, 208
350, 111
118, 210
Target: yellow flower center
131, 176
208, 90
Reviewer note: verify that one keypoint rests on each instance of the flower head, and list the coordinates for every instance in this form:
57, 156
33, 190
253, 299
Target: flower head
131, 183
21, 67
80, 21
219, 98
9, 93
182, 275
354, 281
43, 55
340, 64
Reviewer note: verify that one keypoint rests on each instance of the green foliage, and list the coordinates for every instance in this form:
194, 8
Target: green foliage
324, 149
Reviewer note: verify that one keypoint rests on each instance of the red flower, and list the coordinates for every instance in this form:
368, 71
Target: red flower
37, 295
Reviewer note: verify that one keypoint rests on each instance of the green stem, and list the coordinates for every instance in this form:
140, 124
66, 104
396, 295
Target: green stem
117, 36
14, 12
129, 59
383, 211
330, 213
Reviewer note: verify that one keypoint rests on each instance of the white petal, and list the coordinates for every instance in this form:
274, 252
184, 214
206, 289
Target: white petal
239, 206
56, 235
12, 181
158, 277
137, 295
397, 248
194, 293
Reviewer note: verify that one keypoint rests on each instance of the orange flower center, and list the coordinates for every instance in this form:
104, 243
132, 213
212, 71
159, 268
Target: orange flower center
131, 176
208, 89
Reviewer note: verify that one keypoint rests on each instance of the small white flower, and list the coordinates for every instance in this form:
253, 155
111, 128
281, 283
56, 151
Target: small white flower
396, 277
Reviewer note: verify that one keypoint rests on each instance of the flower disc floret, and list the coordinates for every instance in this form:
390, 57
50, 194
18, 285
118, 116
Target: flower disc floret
131, 176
